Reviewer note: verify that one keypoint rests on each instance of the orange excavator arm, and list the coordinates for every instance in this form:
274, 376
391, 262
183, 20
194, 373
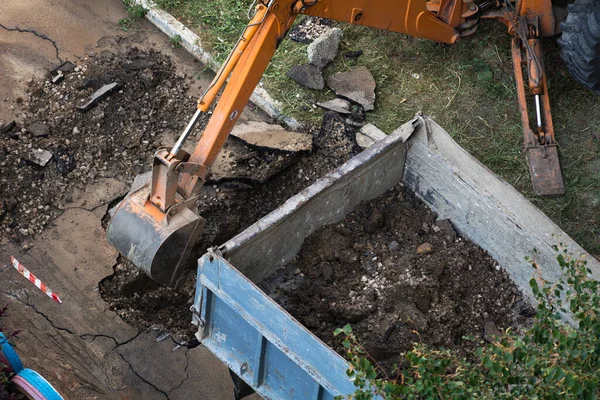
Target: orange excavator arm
260, 40
258, 44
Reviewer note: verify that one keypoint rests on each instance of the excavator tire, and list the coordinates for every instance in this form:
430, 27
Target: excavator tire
580, 42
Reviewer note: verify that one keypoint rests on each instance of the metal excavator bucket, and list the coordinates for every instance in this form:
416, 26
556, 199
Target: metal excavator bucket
158, 244
154, 227
157, 225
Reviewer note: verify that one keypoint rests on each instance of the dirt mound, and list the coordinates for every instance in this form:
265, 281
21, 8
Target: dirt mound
398, 277
116, 138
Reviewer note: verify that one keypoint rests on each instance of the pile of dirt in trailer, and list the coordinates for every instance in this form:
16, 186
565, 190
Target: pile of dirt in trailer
229, 208
116, 138
397, 276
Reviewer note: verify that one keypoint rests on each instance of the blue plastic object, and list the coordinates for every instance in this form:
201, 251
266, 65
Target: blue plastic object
11, 355
41, 384
260, 341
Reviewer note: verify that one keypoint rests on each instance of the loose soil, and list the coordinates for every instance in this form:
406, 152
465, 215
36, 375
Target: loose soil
117, 138
398, 277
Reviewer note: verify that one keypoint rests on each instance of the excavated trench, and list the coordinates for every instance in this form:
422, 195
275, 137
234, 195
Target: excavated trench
228, 207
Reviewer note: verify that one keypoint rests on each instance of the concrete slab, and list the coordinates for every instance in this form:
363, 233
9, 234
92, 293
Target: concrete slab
239, 162
275, 139
357, 85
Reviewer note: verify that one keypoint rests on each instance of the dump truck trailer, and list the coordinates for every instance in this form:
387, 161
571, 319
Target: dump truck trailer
271, 351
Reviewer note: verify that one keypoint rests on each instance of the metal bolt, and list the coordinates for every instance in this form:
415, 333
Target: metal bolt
276, 7
244, 368
472, 7
233, 115
358, 16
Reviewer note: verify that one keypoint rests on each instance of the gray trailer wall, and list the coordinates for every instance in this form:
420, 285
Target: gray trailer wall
485, 208
275, 240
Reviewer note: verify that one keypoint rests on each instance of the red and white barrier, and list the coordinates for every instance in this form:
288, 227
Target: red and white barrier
39, 284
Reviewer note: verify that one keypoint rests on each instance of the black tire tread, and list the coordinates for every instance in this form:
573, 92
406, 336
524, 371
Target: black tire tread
580, 42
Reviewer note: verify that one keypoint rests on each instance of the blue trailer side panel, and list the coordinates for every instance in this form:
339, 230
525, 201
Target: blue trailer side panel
260, 341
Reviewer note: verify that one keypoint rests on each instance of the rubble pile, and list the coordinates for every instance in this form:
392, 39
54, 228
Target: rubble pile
103, 118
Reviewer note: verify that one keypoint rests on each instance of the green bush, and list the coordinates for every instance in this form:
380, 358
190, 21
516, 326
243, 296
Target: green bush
550, 360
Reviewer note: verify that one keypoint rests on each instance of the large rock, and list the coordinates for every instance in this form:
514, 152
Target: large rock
324, 49
357, 85
308, 76
309, 29
369, 135
40, 157
338, 105
272, 137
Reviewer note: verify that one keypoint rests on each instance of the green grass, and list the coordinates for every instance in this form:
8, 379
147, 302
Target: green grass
135, 12
468, 89
176, 42
218, 22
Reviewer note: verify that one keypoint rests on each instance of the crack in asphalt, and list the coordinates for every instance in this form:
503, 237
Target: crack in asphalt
142, 378
185, 371
33, 32
93, 336
85, 336
117, 344
94, 208
34, 308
